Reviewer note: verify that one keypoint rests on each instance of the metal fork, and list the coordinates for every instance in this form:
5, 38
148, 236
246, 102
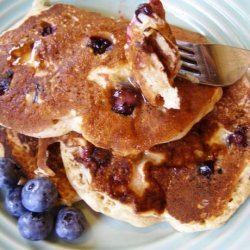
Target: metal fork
212, 64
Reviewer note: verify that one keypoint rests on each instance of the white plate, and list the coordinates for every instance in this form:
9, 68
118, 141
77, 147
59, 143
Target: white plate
223, 21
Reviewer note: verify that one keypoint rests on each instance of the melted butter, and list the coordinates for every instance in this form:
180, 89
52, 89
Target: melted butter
138, 183
25, 54
34, 61
219, 137
156, 158
20, 54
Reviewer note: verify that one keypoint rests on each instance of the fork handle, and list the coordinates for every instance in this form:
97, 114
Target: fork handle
229, 64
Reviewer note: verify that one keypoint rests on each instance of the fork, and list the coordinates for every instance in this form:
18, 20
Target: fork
212, 64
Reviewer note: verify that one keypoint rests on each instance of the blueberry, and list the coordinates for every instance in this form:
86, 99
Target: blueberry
100, 156
145, 9
47, 31
13, 202
5, 81
10, 173
238, 137
39, 195
70, 223
206, 168
85, 153
99, 45
35, 226
125, 100
97, 155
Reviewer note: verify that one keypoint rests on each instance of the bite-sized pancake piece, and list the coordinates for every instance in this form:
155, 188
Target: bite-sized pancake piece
153, 55
24, 150
66, 70
195, 183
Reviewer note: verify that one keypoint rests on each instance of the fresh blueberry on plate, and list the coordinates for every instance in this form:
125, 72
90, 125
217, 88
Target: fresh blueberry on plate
35, 226
70, 223
10, 173
13, 202
39, 195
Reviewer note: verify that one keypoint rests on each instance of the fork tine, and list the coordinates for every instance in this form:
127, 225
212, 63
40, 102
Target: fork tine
191, 66
182, 48
187, 56
185, 49
187, 72
185, 46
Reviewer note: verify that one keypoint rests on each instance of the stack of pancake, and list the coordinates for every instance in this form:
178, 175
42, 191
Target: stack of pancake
95, 103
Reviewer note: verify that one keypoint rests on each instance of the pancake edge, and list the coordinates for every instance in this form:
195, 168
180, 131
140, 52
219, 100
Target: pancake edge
102, 203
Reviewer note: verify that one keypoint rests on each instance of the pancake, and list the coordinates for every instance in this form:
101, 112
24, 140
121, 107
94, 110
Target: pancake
24, 150
153, 55
57, 77
195, 183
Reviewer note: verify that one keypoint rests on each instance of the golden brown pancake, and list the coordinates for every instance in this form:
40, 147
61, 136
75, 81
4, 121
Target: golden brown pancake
53, 82
23, 150
195, 183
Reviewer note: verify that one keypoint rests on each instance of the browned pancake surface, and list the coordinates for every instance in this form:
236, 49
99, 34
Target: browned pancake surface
23, 150
60, 84
176, 185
